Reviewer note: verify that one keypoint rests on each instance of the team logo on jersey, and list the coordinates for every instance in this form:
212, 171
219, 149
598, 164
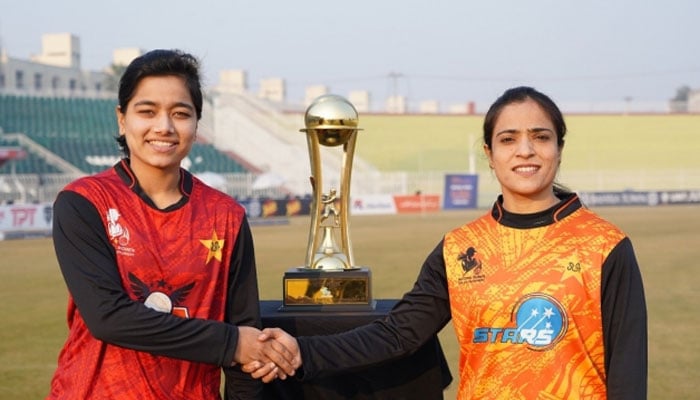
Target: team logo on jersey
215, 247
573, 270
158, 300
471, 266
540, 323
117, 232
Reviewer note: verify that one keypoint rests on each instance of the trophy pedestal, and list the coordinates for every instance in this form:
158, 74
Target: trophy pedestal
324, 290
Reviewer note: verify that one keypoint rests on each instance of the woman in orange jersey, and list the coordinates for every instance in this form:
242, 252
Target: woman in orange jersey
545, 296
159, 266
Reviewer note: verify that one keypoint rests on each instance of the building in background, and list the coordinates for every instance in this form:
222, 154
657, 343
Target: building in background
56, 71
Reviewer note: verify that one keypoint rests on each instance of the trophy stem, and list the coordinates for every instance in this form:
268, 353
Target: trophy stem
328, 256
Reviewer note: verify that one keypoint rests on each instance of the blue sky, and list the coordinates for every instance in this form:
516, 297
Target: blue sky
450, 51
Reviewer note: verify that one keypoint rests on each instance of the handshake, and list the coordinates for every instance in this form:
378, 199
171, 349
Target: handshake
268, 354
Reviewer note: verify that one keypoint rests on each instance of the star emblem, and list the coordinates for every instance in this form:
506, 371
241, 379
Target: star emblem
548, 312
573, 271
214, 245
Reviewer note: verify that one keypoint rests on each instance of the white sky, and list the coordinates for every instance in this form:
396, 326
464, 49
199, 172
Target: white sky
450, 51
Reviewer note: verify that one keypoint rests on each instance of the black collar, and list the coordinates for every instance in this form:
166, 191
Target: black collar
568, 203
123, 170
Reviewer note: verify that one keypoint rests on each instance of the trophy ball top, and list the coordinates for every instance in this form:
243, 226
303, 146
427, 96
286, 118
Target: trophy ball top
333, 118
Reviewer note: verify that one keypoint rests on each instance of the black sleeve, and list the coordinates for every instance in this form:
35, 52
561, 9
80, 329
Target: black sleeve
88, 264
417, 317
242, 308
624, 325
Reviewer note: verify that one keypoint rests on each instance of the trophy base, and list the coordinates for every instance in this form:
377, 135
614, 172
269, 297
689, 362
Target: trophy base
308, 289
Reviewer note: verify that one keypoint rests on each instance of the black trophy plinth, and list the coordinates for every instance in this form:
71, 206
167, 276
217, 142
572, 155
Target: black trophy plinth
327, 290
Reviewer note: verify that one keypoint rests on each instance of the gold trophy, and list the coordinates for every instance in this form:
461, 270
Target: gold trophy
329, 280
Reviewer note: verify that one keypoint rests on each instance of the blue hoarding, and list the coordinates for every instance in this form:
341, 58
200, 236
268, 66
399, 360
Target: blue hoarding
460, 191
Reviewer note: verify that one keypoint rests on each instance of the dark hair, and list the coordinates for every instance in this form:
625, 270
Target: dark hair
519, 95
160, 63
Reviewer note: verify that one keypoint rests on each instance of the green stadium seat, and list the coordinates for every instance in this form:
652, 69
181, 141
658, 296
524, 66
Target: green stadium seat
74, 128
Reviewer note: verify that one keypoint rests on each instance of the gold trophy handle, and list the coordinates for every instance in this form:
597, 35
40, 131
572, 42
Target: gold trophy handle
316, 176
348, 153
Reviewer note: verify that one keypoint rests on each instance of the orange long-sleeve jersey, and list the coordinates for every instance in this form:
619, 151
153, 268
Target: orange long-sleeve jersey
545, 306
526, 306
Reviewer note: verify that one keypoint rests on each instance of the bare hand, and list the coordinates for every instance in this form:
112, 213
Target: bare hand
270, 353
266, 371
285, 339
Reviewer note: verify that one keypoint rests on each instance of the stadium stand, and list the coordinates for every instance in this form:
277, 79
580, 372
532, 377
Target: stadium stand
31, 164
70, 128
273, 143
242, 137
66, 137
80, 131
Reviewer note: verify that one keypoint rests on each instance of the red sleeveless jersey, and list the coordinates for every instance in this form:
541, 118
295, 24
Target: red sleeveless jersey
175, 262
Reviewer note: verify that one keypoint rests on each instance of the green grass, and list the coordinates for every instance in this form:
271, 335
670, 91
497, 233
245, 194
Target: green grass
594, 142
666, 239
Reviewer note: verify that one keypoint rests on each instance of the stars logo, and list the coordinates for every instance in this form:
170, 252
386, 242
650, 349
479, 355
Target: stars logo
215, 246
540, 323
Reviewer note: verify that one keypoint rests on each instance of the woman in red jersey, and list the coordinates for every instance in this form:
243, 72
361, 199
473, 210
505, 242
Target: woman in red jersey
160, 267
545, 296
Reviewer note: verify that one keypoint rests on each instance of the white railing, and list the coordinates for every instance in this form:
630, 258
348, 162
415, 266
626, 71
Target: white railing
42, 152
35, 188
